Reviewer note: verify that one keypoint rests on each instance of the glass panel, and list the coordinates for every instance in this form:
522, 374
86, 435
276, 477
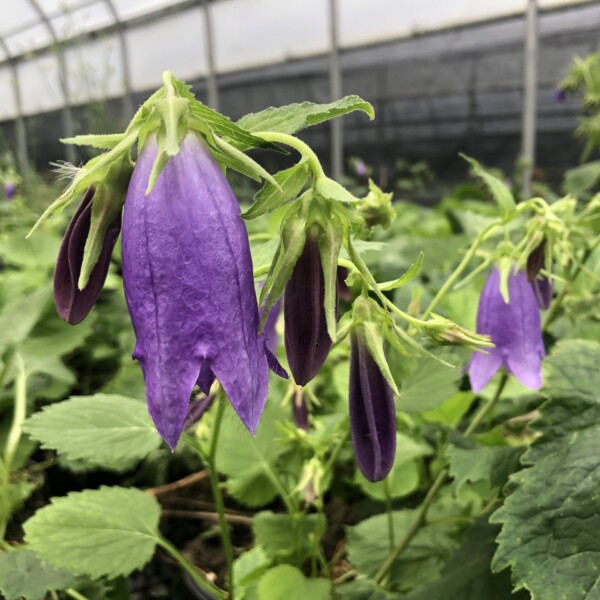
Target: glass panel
82, 20
40, 90
29, 39
128, 9
8, 109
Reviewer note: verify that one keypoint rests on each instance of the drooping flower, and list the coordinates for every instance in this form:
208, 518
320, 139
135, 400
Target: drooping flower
73, 304
189, 287
372, 413
307, 342
10, 190
515, 330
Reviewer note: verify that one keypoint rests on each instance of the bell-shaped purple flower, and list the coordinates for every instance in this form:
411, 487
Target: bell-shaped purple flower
372, 413
515, 329
10, 190
307, 342
73, 304
188, 281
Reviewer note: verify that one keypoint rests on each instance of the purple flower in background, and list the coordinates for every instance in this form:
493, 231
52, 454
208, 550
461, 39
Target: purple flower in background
73, 304
360, 168
560, 95
543, 289
10, 190
188, 281
372, 413
515, 330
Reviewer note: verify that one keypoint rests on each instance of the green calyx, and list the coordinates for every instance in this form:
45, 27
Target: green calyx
376, 207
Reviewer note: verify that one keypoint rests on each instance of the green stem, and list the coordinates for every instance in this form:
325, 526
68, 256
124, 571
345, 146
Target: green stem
7, 366
193, 572
461, 267
218, 497
19, 413
390, 515
304, 149
75, 594
485, 409
336, 451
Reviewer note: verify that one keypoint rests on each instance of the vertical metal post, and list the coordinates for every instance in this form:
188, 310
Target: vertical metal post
530, 83
335, 92
127, 102
211, 76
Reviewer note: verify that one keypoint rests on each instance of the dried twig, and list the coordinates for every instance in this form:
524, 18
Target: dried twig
202, 515
177, 485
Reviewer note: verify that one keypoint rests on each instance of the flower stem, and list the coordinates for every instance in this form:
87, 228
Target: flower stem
435, 487
191, 570
293, 142
218, 497
461, 267
390, 515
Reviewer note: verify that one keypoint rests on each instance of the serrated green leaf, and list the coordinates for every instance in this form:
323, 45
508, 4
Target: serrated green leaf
550, 520
104, 430
363, 589
332, 190
291, 181
408, 276
104, 142
248, 460
285, 538
295, 117
499, 190
107, 532
24, 575
467, 574
285, 582
250, 566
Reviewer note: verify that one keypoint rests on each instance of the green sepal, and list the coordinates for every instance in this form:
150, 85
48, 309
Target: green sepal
172, 112
362, 268
104, 142
291, 244
93, 172
410, 274
499, 190
108, 201
268, 198
332, 190
160, 162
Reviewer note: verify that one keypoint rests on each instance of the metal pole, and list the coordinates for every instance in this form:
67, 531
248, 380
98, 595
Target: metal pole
211, 77
335, 91
127, 102
530, 95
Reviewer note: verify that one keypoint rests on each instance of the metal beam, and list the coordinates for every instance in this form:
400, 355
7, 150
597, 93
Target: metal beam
20, 130
335, 93
530, 83
127, 106
67, 117
211, 75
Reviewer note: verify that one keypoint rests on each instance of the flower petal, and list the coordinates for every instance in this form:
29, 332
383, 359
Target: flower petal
482, 367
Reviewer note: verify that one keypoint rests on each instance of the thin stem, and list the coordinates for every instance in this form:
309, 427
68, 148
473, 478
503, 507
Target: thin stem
19, 414
75, 594
485, 409
304, 149
336, 451
218, 496
461, 267
262, 270
390, 514
191, 569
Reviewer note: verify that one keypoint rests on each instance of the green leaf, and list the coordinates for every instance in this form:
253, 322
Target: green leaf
368, 547
582, 179
104, 142
39, 251
499, 190
332, 190
109, 431
101, 533
291, 181
408, 276
549, 522
295, 117
285, 582
450, 411
284, 538
249, 461
363, 589
467, 574
250, 566
24, 575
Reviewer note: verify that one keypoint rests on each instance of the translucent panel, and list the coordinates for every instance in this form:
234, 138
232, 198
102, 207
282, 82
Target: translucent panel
128, 9
255, 32
20, 14
174, 43
52, 7
40, 89
76, 21
8, 108
94, 70
28, 39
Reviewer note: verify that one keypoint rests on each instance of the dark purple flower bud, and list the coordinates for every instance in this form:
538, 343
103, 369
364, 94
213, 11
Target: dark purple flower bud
515, 330
10, 190
307, 342
560, 95
344, 291
300, 411
372, 413
543, 290
188, 281
73, 304
536, 260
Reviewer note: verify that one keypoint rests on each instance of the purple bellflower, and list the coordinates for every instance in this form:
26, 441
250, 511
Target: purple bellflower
10, 190
187, 274
372, 413
515, 330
